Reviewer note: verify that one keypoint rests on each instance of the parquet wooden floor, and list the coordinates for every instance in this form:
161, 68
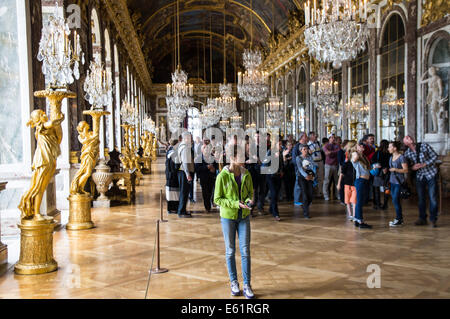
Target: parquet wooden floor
324, 257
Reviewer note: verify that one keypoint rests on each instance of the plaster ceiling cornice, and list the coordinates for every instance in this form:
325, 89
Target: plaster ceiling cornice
119, 14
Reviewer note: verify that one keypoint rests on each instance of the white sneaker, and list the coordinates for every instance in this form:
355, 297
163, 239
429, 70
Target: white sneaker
350, 218
248, 292
235, 291
396, 223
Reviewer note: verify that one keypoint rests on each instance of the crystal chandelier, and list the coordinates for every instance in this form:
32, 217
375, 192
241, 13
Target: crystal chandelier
57, 54
236, 122
336, 32
392, 108
210, 115
179, 95
149, 125
357, 109
252, 84
128, 113
324, 92
226, 101
175, 122
274, 111
98, 85
224, 124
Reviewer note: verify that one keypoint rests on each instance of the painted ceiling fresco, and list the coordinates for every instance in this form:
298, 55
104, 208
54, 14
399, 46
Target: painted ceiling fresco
199, 20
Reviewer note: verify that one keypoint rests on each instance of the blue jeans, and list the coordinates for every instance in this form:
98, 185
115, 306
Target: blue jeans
362, 193
242, 227
297, 190
395, 193
421, 186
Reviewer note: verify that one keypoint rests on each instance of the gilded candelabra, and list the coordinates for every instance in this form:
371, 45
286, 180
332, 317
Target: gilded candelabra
80, 200
60, 66
98, 90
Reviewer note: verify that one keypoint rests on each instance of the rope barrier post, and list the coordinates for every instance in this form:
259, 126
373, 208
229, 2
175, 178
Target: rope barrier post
158, 269
161, 218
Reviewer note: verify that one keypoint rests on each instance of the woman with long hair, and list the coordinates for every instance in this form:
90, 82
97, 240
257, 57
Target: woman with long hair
398, 168
362, 175
233, 194
380, 162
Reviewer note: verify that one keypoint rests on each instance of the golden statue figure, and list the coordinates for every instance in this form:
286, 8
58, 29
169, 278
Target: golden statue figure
154, 146
48, 136
89, 156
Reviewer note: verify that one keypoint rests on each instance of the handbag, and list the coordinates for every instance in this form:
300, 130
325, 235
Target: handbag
405, 191
376, 171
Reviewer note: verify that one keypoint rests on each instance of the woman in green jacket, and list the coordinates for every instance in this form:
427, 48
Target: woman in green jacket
233, 194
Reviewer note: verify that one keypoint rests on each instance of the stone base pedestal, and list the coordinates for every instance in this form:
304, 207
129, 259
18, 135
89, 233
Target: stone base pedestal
102, 203
439, 142
36, 247
79, 212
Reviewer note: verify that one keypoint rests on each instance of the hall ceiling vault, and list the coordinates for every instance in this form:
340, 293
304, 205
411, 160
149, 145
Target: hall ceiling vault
154, 25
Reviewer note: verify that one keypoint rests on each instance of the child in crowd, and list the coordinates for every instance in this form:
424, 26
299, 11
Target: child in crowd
347, 181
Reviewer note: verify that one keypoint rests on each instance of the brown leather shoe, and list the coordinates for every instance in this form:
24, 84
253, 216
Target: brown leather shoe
420, 222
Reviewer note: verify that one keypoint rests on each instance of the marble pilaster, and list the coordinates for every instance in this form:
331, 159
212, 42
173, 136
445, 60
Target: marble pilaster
411, 71
345, 100
372, 81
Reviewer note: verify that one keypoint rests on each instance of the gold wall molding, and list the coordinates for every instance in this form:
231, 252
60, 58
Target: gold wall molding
434, 10
287, 50
119, 14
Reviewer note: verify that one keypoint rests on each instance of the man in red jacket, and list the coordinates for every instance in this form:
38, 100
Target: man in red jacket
369, 146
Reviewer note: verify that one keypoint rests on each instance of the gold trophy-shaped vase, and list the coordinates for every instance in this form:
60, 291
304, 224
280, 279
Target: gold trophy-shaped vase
36, 230
80, 200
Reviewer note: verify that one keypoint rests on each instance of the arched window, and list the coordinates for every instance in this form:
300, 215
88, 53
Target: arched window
117, 136
11, 143
128, 85
109, 120
95, 33
302, 90
290, 102
359, 79
393, 79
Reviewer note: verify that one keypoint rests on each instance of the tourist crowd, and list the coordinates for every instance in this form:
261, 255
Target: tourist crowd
351, 172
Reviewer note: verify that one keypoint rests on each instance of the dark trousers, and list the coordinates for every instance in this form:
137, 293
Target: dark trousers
289, 181
274, 183
306, 194
362, 194
259, 189
184, 192
377, 197
421, 186
207, 184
